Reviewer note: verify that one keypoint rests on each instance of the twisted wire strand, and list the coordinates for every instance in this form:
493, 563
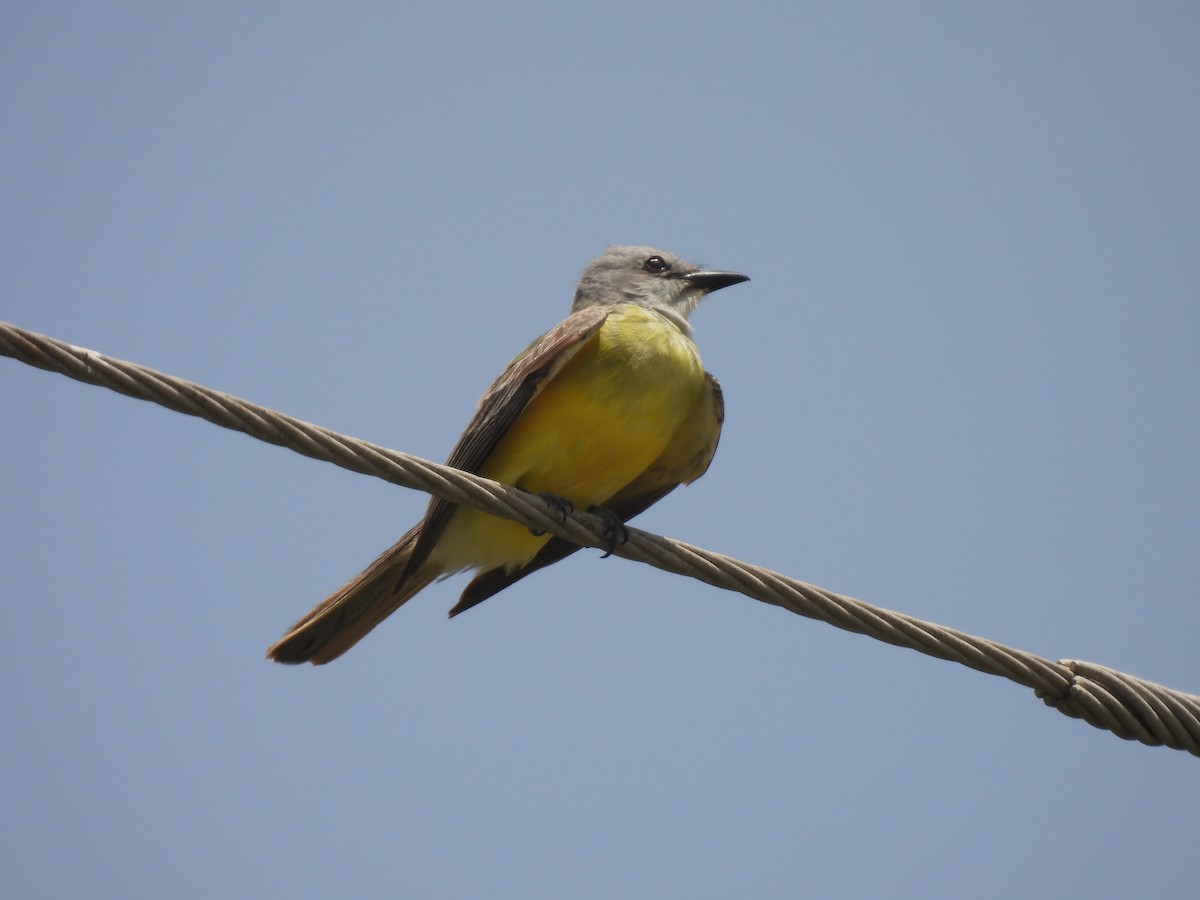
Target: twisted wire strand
1130, 707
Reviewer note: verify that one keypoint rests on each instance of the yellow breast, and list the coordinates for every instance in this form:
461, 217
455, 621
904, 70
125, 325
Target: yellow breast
591, 430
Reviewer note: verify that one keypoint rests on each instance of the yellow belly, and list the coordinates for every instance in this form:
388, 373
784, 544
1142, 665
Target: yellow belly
597, 425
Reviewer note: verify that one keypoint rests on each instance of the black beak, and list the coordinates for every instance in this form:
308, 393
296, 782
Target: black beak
714, 281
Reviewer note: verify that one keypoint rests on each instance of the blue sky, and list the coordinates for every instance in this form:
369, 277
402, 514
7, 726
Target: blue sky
962, 383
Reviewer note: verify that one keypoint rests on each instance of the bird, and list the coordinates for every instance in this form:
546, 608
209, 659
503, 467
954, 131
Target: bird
609, 410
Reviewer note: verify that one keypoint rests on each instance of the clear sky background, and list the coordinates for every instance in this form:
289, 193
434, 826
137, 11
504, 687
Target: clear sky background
963, 384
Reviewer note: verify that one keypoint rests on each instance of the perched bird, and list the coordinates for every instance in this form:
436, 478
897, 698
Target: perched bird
611, 409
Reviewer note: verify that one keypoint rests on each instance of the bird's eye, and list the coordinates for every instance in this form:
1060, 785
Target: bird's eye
656, 264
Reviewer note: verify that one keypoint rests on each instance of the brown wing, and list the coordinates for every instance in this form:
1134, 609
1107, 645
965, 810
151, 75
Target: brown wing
499, 408
686, 459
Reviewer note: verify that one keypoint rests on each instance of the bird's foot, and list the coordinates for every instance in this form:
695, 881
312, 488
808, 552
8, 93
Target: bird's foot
615, 532
561, 505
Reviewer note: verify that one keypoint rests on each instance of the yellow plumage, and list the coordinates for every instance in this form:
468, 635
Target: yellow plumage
603, 419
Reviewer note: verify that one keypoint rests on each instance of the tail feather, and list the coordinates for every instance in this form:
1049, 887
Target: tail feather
345, 617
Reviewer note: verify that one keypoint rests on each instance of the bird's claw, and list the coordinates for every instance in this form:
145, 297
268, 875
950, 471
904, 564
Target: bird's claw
615, 532
561, 505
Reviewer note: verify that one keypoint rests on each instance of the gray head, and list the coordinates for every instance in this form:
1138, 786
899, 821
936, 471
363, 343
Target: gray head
651, 278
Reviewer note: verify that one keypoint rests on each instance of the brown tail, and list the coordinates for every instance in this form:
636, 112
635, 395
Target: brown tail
343, 619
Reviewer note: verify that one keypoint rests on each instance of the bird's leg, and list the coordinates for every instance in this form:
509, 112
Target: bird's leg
615, 532
561, 504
